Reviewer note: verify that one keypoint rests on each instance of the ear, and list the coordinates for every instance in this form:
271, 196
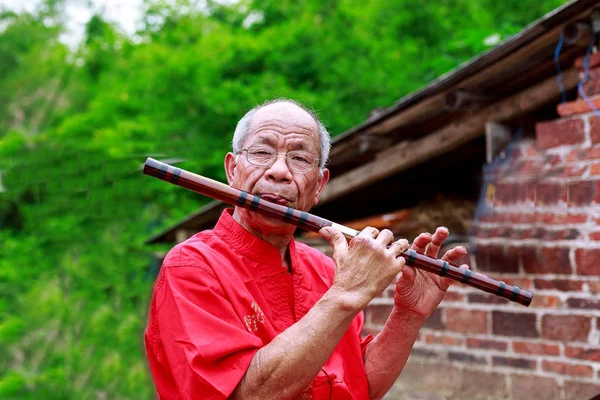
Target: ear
230, 164
323, 179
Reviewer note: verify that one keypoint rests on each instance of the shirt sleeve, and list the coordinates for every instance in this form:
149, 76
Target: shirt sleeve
366, 339
207, 346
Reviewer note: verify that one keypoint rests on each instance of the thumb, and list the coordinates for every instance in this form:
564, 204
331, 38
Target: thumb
335, 237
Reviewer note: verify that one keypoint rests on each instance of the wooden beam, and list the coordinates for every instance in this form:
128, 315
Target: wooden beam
451, 136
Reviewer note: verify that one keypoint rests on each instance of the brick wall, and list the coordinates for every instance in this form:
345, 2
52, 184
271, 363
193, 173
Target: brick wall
538, 227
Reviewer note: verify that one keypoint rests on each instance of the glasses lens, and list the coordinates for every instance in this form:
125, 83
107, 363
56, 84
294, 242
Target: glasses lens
260, 155
300, 161
265, 156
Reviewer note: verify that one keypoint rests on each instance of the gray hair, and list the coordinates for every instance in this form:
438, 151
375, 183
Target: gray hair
241, 130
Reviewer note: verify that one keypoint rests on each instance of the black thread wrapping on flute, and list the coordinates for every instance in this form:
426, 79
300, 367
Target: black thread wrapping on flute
501, 288
303, 218
241, 200
467, 276
175, 175
162, 171
254, 203
516, 292
289, 213
412, 257
445, 268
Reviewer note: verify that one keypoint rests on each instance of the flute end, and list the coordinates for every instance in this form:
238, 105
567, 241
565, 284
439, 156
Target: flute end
526, 297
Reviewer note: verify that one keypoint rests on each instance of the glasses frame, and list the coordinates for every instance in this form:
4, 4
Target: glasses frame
287, 160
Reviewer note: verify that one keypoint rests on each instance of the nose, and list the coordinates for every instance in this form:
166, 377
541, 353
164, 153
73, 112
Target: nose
279, 171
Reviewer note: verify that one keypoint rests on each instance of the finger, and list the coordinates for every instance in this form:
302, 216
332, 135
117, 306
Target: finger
335, 237
437, 239
455, 253
385, 237
399, 246
370, 231
421, 242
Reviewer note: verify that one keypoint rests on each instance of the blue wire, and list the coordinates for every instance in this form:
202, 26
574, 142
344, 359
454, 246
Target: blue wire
559, 77
586, 68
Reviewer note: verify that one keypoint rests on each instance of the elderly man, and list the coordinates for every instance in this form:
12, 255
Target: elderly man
245, 312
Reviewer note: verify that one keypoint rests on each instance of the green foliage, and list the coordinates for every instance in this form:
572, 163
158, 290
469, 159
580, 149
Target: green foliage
76, 126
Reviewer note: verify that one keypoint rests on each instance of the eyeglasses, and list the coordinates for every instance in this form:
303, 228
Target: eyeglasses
297, 160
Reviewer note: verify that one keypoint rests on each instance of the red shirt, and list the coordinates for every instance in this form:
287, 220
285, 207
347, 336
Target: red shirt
222, 295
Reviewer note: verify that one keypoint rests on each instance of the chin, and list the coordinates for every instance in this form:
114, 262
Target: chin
272, 225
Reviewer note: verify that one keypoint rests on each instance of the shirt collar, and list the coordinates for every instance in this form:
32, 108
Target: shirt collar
248, 244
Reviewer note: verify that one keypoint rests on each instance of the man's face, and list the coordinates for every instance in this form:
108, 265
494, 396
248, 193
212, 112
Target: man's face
284, 127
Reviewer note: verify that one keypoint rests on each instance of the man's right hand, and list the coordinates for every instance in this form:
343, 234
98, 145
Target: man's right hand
365, 266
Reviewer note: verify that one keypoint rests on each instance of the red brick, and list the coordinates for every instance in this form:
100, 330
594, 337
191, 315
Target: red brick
582, 353
568, 369
536, 348
524, 283
594, 288
467, 321
514, 324
581, 390
379, 313
566, 328
523, 386
550, 193
443, 339
424, 353
588, 261
495, 258
540, 301
592, 153
453, 296
564, 285
521, 218
532, 233
560, 132
580, 106
549, 218
435, 320
466, 358
566, 171
561, 234
510, 192
594, 130
529, 167
576, 218
595, 169
514, 362
586, 303
593, 61
547, 260
581, 193
486, 344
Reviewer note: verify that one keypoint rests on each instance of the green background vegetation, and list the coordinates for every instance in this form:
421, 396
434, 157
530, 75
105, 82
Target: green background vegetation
76, 125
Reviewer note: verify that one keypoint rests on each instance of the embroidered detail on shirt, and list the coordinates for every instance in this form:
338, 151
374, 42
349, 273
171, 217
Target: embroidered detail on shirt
252, 321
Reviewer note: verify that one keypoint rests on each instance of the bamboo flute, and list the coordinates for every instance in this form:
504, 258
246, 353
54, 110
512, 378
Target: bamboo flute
313, 223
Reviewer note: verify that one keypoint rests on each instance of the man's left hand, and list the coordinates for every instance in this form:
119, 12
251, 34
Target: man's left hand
419, 292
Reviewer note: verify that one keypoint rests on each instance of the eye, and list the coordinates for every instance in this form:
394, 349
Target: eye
297, 157
261, 151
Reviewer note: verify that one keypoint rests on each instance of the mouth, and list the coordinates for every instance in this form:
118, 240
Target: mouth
275, 198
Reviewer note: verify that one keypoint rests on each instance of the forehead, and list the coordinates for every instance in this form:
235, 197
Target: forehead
284, 122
